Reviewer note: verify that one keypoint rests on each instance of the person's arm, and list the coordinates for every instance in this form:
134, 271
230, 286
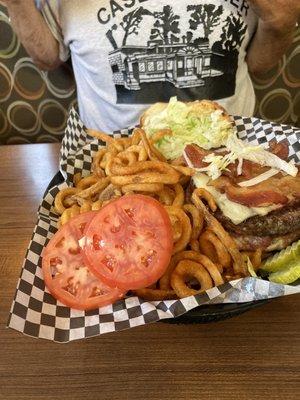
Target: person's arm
275, 32
34, 33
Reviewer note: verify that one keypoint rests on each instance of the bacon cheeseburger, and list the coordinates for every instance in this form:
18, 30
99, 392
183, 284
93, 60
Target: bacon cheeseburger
257, 190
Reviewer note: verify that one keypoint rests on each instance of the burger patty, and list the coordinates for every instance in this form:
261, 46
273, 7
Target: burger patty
266, 243
276, 223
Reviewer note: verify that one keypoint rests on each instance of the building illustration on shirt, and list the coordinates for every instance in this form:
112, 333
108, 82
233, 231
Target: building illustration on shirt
182, 64
195, 59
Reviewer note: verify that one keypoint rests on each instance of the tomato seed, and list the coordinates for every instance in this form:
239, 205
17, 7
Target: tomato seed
71, 288
97, 242
120, 247
109, 262
115, 229
82, 228
129, 212
97, 292
149, 235
74, 251
54, 261
148, 258
61, 243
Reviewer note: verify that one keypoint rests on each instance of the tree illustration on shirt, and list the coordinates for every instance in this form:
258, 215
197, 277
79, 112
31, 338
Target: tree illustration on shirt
233, 33
166, 26
160, 56
131, 22
205, 15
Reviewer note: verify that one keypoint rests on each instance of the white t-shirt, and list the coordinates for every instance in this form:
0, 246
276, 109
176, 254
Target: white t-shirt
128, 54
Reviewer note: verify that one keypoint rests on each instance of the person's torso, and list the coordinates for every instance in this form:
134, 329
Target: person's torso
128, 54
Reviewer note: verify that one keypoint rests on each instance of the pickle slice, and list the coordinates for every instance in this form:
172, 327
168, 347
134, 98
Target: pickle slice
282, 259
287, 275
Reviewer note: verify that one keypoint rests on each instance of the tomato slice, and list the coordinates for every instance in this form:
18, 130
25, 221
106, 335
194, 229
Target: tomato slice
129, 242
66, 273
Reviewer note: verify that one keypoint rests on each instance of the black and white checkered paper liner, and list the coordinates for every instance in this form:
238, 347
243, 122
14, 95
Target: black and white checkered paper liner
36, 313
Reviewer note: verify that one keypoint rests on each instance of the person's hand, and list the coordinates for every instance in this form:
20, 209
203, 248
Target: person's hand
279, 15
276, 28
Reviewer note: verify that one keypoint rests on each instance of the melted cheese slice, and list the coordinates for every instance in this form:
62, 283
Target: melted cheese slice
236, 212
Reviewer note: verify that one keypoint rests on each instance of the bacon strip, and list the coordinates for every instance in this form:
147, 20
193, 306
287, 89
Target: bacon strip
249, 169
255, 197
279, 189
280, 149
195, 154
262, 195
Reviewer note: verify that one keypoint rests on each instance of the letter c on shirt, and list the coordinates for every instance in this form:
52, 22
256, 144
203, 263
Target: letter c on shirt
102, 19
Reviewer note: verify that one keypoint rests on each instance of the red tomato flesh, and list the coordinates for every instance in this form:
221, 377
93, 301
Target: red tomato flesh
129, 242
66, 273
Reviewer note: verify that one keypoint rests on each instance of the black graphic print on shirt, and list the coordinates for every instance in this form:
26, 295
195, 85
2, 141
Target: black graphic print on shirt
172, 62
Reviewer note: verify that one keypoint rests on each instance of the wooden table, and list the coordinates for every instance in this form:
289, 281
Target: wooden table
253, 356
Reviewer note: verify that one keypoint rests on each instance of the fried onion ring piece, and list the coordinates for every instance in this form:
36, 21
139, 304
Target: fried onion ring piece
61, 197
155, 294
166, 196
231, 276
128, 156
69, 213
194, 244
104, 137
179, 195
144, 177
187, 269
86, 206
143, 166
139, 150
97, 168
255, 258
87, 182
184, 180
203, 193
239, 264
176, 228
96, 205
186, 227
186, 171
164, 282
213, 269
221, 255
152, 152
208, 249
197, 219
136, 137
160, 134
77, 178
101, 184
142, 187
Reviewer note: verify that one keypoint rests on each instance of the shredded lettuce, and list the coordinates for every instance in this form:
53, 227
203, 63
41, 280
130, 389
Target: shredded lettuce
259, 178
207, 130
239, 150
259, 155
217, 164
